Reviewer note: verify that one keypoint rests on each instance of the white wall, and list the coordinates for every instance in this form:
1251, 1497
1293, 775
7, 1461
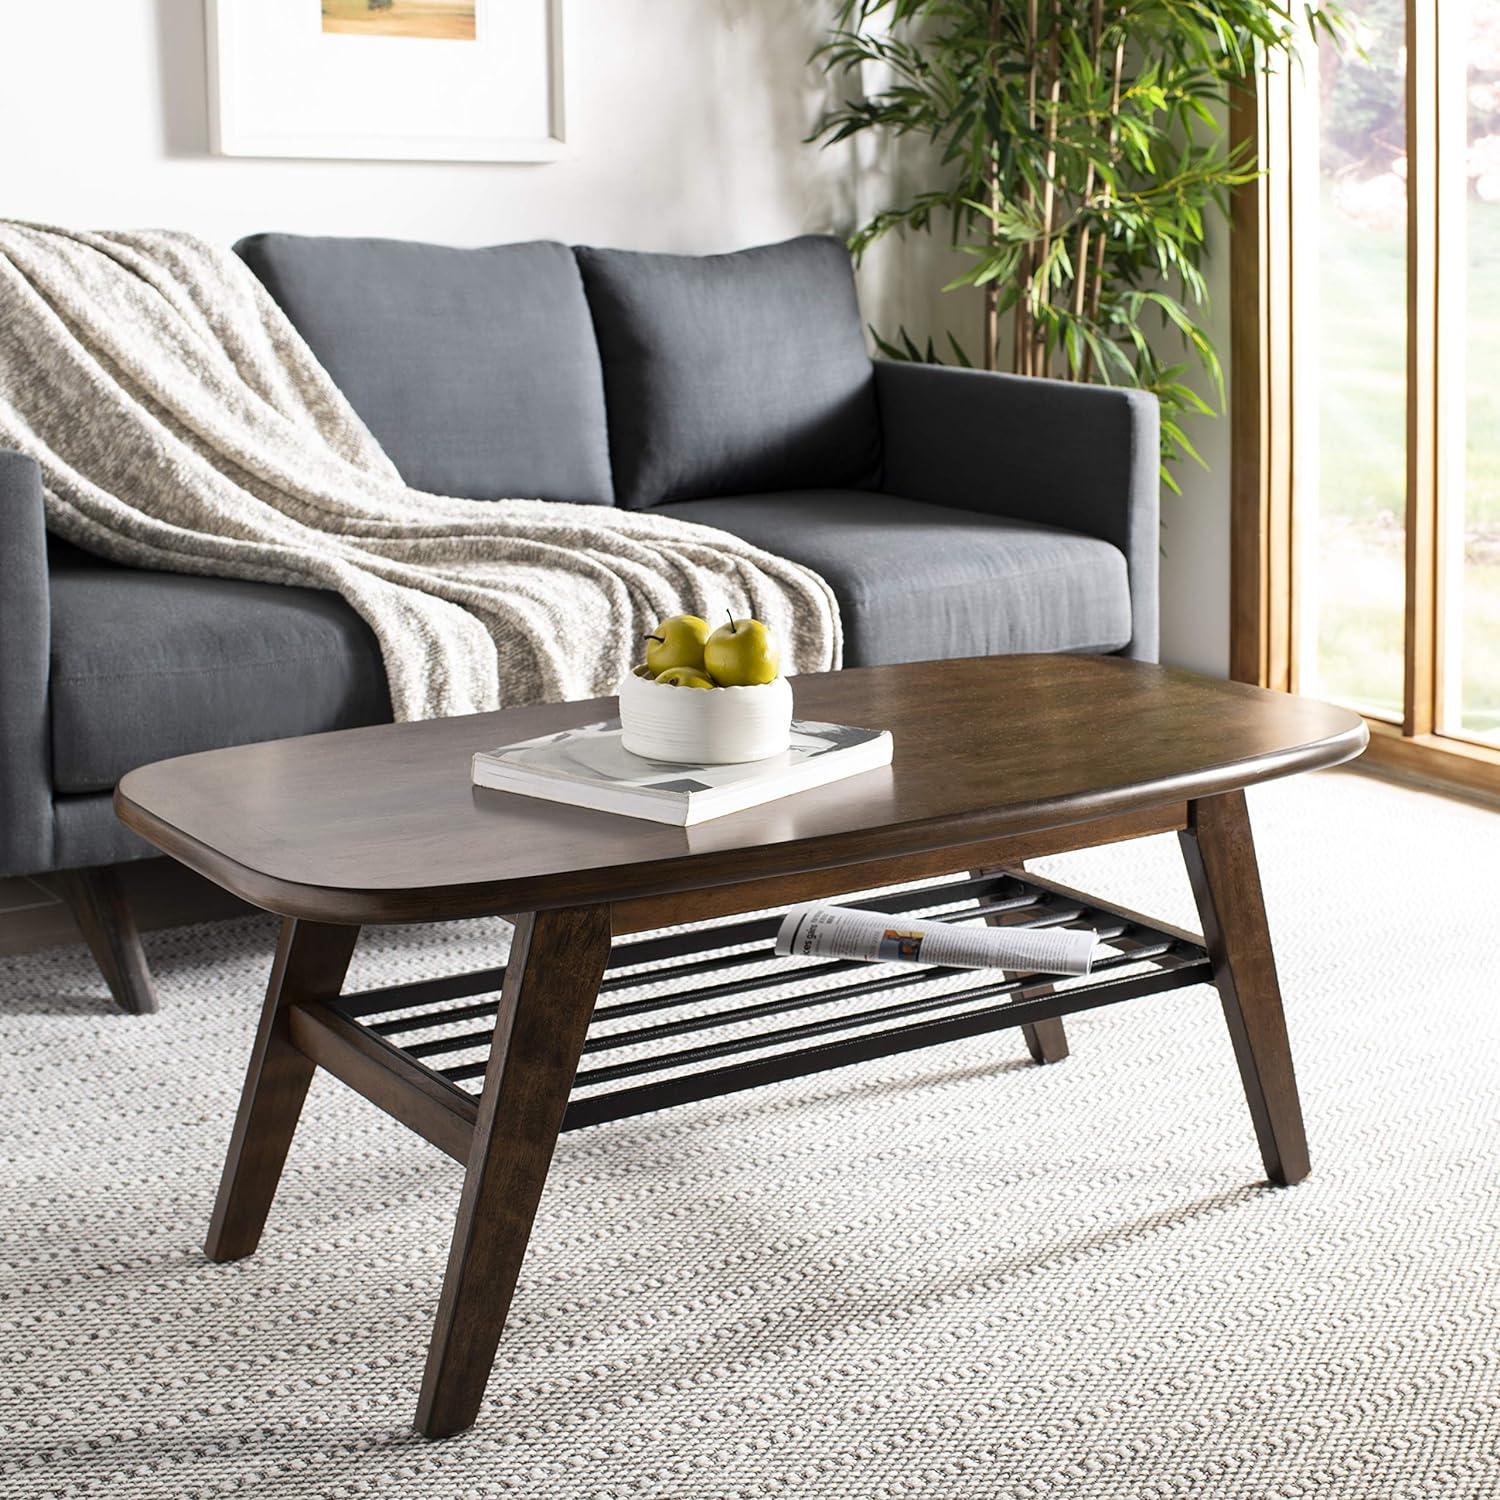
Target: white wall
1195, 524
685, 120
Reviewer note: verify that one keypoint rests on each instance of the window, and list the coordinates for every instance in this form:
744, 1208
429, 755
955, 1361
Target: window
1367, 451
1350, 492
1469, 697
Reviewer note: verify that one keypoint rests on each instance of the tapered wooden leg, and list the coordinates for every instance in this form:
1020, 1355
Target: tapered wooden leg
552, 979
96, 898
311, 961
1046, 1041
1220, 856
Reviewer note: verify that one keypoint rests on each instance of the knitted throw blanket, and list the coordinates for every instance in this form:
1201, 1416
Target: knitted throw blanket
182, 423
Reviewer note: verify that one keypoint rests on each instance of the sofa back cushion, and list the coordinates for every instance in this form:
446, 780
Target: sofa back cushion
732, 374
476, 370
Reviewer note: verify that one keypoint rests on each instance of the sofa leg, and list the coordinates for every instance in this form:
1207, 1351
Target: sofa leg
96, 897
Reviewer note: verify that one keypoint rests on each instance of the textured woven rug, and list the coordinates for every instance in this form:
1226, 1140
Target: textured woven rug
951, 1274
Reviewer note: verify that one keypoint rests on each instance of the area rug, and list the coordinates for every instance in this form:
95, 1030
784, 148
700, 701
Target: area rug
950, 1274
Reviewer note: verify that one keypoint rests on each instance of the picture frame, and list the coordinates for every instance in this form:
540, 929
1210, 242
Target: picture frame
387, 80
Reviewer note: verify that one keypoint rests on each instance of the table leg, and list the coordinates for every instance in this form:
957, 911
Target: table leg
311, 961
1220, 856
1046, 1041
552, 979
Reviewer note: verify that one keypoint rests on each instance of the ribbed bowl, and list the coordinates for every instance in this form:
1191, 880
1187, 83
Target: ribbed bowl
697, 727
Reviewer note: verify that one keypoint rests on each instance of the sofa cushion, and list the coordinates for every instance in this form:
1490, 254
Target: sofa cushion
147, 665
476, 370
917, 582
727, 374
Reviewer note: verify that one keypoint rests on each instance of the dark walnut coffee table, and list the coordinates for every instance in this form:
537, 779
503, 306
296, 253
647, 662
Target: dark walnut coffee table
997, 761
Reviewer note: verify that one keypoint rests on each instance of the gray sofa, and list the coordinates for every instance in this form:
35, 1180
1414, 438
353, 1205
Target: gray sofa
955, 513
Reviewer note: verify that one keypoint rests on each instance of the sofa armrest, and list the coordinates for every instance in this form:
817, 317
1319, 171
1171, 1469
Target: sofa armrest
1083, 457
25, 638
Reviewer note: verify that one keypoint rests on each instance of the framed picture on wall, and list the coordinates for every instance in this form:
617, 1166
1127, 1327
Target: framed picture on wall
430, 80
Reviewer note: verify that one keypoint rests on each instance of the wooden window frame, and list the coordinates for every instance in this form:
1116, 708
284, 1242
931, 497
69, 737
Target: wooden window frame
1264, 308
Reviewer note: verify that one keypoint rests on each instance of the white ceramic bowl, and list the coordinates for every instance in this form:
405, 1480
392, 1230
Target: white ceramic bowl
699, 727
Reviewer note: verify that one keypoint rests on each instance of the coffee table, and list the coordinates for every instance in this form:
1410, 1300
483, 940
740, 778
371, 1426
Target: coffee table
997, 760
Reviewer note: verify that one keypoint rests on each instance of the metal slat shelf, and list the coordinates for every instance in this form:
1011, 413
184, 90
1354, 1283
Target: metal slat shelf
1147, 958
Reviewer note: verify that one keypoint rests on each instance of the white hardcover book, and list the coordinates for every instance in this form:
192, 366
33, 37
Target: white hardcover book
589, 767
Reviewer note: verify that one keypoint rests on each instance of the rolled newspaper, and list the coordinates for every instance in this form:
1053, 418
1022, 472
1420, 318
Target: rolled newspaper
817, 931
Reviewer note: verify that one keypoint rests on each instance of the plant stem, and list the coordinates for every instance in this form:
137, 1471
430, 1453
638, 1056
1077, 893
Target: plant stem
1021, 343
1081, 263
990, 359
1096, 272
1040, 291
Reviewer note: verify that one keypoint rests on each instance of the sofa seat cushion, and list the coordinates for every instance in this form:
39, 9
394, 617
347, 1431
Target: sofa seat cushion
147, 665
727, 374
919, 582
476, 370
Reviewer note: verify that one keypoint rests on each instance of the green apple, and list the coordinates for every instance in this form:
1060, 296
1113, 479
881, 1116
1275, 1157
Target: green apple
684, 677
677, 642
742, 653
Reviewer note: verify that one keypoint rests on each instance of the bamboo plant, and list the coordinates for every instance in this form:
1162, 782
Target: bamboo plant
1080, 149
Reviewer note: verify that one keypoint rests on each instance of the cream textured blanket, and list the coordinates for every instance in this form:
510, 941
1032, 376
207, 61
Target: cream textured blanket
181, 423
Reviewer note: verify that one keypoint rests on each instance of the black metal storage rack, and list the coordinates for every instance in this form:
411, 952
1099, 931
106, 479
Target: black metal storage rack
686, 983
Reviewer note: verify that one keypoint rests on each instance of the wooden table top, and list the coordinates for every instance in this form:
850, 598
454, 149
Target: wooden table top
382, 824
